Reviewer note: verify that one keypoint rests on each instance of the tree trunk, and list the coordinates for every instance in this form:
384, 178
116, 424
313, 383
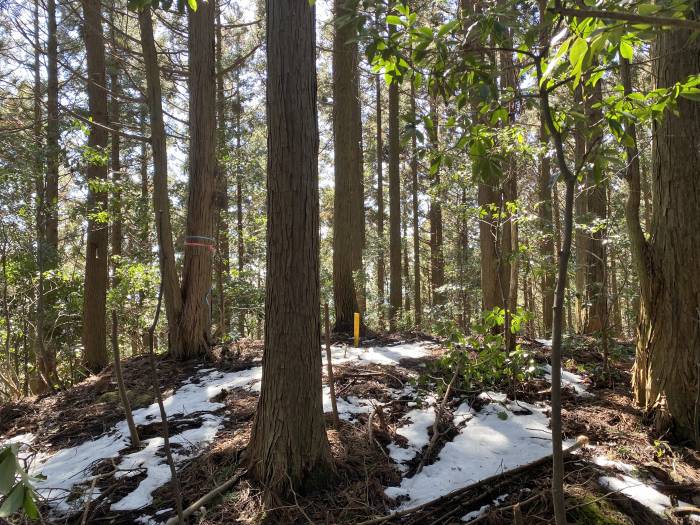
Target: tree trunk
52, 149
41, 351
197, 268
380, 203
581, 210
95, 356
161, 202
417, 302
223, 263
547, 254
347, 136
488, 236
240, 246
596, 260
288, 443
666, 375
437, 261
395, 284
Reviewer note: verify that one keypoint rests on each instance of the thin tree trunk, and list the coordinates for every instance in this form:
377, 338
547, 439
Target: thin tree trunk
95, 356
437, 261
380, 203
347, 136
42, 357
161, 202
240, 246
417, 302
395, 283
195, 320
223, 264
595, 296
288, 445
547, 254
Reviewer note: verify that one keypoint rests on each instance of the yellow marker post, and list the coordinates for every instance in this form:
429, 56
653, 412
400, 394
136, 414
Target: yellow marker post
357, 329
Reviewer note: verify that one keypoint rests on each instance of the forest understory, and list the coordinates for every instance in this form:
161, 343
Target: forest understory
483, 467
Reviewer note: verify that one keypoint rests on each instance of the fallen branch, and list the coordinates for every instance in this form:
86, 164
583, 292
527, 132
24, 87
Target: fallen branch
201, 502
438, 416
581, 441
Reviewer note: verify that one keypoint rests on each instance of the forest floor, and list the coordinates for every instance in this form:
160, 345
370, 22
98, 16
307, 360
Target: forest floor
489, 463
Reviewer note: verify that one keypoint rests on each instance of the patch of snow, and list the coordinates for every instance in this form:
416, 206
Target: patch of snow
635, 488
416, 433
626, 468
496, 397
70, 467
638, 491
470, 516
157, 469
494, 440
568, 379
348, 406
381, 355
545, 342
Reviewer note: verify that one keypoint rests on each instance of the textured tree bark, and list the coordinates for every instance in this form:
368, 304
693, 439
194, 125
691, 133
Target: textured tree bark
347, 136
596, 301
395, 282
437, 260
223, 262
161, 202
288, 445
417, 301
95, 356
666, 375
380, 203
195, 321
490, 280
547, 254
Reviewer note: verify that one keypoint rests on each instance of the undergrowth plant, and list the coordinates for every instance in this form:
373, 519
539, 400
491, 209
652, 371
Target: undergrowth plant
16, 488
481, 356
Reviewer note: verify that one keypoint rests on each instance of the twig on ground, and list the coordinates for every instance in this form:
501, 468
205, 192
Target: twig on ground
201, 502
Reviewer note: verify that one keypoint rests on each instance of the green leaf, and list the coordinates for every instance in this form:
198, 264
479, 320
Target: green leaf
577, 52
446, 28
193, 5
30, 508
8, 468
502, 415
13, 501
394, 20
626, 50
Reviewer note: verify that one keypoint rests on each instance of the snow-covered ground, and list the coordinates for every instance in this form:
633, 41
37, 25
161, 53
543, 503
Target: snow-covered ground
415, 430
498, 438
575, 381
69, 472
628, 481
380, 355
71, 467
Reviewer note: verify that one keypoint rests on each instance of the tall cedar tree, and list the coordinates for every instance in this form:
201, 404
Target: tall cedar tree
347, 140
95, 356
161, 202
395, 284
666, 375
289, 437
195, 321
